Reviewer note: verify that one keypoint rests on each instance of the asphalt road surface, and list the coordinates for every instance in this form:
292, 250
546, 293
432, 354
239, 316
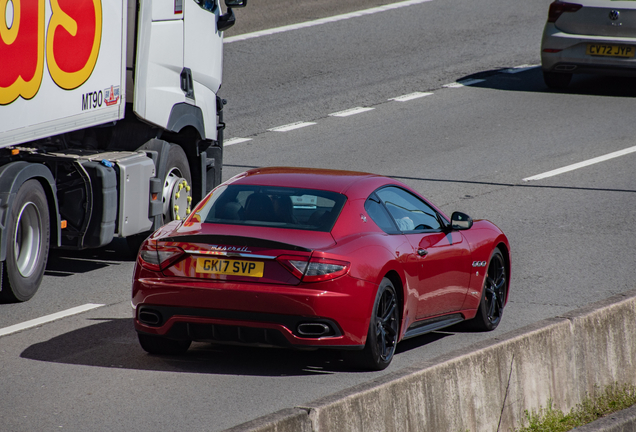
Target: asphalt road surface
467, 148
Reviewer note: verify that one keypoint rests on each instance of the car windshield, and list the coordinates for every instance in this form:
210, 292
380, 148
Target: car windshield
269, 206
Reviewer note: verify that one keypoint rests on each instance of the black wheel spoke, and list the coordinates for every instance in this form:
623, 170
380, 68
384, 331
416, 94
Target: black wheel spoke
387, 316
491, 308
382, 341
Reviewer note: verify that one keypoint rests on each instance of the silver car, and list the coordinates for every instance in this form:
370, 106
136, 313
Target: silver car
589, 36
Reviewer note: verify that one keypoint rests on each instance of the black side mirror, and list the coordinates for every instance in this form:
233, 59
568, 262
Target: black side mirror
226, 20
461, 221
235, 3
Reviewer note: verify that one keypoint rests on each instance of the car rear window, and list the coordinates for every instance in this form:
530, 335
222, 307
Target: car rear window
268, 206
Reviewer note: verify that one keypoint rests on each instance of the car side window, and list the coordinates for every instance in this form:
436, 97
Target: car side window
379, 215
409, 212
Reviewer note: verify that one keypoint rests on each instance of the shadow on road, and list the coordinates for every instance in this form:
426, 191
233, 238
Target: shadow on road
531, 80
112, 343
62, 263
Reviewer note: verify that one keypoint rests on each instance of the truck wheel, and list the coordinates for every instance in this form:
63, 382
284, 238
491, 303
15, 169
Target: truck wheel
27, 243
177, 186
177, 194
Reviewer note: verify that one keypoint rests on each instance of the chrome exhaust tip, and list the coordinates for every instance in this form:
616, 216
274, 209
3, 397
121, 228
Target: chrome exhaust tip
313, 329
150, 317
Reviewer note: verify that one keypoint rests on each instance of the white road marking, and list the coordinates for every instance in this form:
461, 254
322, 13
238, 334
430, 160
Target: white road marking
351, 111
291, 126
518, 69
410, 96
463, 83
582, 164
48, 318
323, 21
358, 110
236, 140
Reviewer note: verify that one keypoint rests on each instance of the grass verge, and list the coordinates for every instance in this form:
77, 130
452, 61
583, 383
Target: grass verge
614, 398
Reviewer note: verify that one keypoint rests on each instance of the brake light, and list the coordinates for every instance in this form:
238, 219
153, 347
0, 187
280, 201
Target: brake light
158, 257
558, 7
315, 269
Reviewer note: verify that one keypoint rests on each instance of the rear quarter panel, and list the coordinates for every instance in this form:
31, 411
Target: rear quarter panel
374, 254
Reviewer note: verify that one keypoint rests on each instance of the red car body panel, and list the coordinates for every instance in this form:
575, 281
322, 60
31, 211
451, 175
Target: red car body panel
444, 281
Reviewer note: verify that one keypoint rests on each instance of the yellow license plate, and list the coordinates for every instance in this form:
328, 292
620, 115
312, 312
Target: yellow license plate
230, 267
610, 50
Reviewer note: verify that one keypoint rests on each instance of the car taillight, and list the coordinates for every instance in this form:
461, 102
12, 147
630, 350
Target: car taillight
158, 257
558, 7
315, 269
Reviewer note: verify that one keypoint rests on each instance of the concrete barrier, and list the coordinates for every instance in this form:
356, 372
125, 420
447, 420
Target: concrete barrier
486, 387
622, 421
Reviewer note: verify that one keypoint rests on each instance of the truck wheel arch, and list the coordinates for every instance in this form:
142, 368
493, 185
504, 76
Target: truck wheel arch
183, 115
12, 176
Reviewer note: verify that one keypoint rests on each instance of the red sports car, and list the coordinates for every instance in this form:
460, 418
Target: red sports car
317, 258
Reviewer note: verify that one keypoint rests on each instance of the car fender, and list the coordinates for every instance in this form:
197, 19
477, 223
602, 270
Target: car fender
483, 237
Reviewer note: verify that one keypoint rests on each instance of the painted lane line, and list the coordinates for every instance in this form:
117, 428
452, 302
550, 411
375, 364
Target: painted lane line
350, 112
291, 126
518, 69
236, 140
582, 164
410, 96
48, 318
322, 21
463, 83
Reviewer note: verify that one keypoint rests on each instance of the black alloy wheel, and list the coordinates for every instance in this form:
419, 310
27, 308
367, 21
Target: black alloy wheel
493, 297
383, 331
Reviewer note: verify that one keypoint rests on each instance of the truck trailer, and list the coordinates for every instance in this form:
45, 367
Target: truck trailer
110, 123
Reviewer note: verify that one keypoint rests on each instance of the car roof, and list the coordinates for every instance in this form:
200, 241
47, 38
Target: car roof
310, 178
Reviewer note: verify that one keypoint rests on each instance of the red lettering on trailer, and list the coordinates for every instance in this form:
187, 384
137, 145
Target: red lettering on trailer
21, 50
70, 49
73, 39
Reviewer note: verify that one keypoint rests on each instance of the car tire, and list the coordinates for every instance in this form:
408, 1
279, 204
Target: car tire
161, 345
556, 80
383, 331
493, 295
28, 233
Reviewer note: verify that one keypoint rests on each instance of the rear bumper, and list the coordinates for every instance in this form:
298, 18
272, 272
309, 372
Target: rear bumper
573, 58
276, 315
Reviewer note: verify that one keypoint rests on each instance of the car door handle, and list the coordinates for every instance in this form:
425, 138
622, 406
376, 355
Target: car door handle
422, 252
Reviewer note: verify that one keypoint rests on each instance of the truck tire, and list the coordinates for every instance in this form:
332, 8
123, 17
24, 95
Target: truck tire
27, 243
177, 185
177, 191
